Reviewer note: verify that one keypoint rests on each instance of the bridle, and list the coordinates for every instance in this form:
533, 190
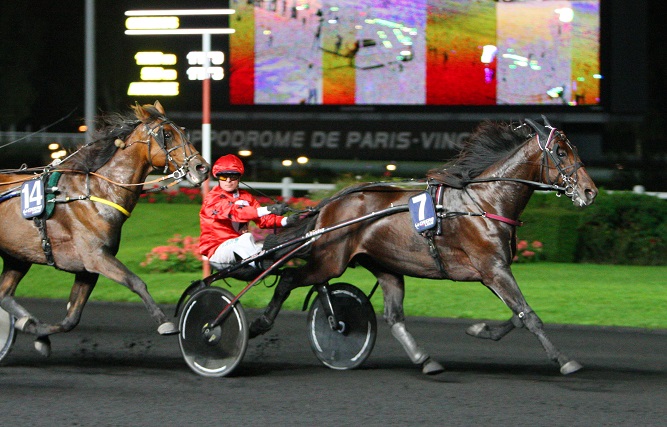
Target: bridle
157, 134
569, 174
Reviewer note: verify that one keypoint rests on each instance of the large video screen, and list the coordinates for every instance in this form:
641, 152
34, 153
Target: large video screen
415, 52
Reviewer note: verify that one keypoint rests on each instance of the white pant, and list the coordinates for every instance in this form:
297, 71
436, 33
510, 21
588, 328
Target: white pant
225, 255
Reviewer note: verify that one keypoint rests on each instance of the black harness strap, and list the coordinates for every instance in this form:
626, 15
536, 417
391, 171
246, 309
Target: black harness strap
50, 181
40, 223
437, 194
433, 249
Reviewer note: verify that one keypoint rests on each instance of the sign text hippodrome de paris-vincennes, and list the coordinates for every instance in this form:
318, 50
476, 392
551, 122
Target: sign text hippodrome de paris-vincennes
336, 140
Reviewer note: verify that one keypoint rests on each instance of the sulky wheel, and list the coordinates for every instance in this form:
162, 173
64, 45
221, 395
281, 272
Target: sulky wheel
7, 335
350, 346
212, 352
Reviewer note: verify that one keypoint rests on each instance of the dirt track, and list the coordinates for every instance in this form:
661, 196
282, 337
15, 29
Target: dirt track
114, 370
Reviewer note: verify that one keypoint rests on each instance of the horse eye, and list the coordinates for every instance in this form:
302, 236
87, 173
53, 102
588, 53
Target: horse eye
167, 135
561, 153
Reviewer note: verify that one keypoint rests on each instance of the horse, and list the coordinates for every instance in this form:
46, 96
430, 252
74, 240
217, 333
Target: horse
479, 196
97, 188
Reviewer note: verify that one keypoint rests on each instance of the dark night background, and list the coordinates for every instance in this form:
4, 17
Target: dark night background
42, 72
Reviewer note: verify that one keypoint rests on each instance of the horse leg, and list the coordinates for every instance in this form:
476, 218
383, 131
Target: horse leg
393, 289
13, 271
264, 322
83, 286
482, 330
503, 284
109, 266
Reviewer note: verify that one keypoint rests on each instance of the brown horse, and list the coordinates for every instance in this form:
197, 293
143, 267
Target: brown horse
479, 198
99, 185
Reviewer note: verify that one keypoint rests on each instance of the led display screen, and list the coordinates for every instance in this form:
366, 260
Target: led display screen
415, 52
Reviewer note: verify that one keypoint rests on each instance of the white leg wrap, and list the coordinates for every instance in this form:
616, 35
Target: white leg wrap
21, 323
416, 354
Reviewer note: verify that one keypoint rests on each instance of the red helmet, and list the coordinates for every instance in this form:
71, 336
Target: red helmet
228, 164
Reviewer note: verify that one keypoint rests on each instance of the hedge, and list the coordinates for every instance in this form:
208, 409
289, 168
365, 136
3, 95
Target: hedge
619, 228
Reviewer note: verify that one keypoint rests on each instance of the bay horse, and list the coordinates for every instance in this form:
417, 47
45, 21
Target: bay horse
98, 187
479, 197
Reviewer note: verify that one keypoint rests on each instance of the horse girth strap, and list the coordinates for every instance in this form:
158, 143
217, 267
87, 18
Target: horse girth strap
437, 194
433, 250
40, 223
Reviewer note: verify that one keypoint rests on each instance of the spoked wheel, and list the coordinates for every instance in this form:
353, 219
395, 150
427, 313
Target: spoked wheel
7, 335
212, 352
350, 345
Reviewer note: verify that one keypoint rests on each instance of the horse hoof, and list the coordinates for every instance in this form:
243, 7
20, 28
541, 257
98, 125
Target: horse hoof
570, 367
431, 367
259, 326
477, 329
167, 328
43, 346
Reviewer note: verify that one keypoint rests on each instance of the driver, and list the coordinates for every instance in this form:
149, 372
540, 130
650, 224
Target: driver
225, 214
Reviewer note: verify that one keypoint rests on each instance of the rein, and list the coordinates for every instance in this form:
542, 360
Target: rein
536, 184
156, 133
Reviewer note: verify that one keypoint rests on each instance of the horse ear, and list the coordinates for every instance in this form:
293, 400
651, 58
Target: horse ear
539, 129
158, 107
141, 112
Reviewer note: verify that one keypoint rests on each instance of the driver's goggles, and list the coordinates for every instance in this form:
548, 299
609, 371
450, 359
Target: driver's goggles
229, 176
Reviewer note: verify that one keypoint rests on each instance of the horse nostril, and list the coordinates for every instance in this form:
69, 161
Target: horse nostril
202, 168
590, 194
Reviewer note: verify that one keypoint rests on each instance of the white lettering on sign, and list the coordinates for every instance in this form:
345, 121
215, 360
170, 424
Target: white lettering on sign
336, 140
258, 139
443, 140
199, 58
378, 140
320, 139
201, 73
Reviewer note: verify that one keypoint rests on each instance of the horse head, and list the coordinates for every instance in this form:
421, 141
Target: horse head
561, 165
169, 147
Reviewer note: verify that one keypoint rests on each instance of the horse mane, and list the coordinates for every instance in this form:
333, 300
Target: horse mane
490, 142
95, 154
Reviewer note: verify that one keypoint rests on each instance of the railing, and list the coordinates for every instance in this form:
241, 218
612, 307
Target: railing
287, 186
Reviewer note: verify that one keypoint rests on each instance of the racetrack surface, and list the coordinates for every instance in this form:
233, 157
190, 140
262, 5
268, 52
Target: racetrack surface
115, 370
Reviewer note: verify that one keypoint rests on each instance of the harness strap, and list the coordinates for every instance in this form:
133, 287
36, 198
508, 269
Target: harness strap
40, 223
433, 250
491, 215
437, 194
104, 201
110, 203
502, 219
